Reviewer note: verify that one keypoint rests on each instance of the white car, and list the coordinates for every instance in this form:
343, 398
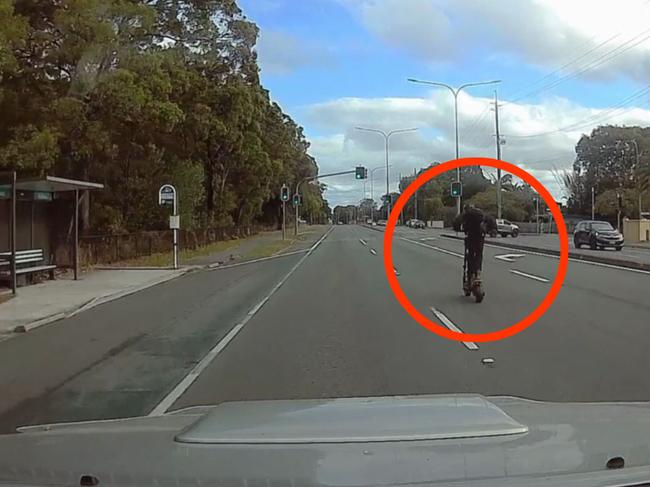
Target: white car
505, 228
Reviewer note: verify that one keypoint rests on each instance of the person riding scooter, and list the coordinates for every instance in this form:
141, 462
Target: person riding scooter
475, 224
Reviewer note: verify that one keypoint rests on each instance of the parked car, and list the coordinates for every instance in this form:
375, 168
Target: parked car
598, 235
381, 223
415, 223
505, 228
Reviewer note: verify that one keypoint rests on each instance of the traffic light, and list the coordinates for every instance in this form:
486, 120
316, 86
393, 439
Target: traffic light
297, 200
361, 173
284, 193
456, 189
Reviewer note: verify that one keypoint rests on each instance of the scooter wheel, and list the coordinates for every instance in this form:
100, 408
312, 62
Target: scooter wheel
478, 297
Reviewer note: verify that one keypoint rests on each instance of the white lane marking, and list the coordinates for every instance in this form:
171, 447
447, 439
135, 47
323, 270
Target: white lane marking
217, 266
529, 276
449, 324
426, 239
509, 257
444, 251
373, 251
363, 242
189, 379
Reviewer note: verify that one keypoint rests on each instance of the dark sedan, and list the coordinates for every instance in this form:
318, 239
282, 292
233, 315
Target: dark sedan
597, 235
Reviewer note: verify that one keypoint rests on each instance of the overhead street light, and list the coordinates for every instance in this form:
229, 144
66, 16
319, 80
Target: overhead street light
455, 92
387, 136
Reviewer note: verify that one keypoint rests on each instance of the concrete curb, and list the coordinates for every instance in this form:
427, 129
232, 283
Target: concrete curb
96, 301
573, 255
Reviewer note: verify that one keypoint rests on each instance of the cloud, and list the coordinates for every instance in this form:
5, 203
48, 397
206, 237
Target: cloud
539, 137
280, 53
541, 32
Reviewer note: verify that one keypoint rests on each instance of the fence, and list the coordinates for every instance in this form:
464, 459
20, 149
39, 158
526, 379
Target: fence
107, 249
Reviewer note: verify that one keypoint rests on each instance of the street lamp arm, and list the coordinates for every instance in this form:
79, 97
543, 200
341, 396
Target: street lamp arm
479, 83
401, 131
433, 83
372, 130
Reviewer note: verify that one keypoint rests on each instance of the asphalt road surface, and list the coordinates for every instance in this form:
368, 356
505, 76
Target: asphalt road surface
325, 324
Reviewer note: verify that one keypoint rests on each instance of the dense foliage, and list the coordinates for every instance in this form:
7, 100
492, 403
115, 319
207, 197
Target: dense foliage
613, 161
136, 93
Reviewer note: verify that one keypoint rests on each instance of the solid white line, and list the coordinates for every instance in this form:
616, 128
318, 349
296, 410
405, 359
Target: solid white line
448, 323
363, 242
189, 379
373, 251
444, 251
529, 276
217, 266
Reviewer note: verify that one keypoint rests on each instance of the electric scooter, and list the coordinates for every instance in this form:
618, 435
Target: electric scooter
471, 284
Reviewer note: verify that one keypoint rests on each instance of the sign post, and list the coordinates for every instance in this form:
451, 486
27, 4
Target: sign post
167, 196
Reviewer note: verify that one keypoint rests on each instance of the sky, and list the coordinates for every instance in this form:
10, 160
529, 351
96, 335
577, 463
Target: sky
565, 67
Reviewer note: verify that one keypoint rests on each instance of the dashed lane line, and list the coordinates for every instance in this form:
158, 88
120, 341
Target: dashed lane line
449, 324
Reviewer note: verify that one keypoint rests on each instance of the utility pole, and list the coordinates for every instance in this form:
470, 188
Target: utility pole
637, 167
496, 120
537, 213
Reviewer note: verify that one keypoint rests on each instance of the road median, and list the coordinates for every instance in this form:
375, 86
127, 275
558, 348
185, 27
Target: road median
598, 259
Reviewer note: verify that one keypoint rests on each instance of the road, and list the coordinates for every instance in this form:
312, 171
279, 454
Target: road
325, 324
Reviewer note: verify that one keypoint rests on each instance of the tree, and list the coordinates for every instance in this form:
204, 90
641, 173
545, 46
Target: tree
607, 160
515, 206
139, 93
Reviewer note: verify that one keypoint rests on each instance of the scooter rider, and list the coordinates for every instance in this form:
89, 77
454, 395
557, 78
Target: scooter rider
476, 225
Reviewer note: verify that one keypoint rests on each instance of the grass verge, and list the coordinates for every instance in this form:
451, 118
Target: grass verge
164, 259
267, 249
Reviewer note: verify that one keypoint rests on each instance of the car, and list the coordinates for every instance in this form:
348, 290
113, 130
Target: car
381, 223
598, 235
415, 223
505, 228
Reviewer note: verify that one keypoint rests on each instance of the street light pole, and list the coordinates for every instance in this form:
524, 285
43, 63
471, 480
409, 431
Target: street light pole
387, 136
593, 203
372, 188
455, 92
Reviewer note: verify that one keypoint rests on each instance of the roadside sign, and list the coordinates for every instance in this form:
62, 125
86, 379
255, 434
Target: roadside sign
166, 195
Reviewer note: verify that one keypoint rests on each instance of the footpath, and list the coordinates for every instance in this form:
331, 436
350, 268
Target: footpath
49, 301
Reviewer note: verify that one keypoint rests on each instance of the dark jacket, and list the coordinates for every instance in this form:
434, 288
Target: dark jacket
474, 223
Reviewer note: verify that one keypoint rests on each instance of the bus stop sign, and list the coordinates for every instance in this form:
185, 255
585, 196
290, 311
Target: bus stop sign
166, 195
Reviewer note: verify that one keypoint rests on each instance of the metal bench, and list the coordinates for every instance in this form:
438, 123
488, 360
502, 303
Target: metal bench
27, 262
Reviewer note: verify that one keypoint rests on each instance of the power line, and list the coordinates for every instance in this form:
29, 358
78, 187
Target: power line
596, 118
561, 68
594, 63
